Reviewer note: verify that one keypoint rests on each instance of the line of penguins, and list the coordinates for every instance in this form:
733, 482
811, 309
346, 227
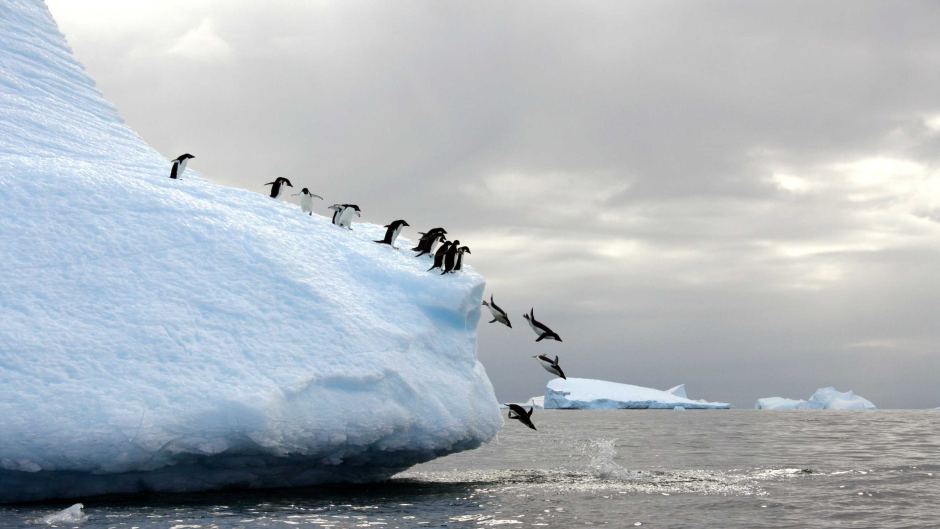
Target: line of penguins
447, 255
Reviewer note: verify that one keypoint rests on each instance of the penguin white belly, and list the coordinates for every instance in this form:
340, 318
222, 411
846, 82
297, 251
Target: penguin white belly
395, 235
182, 167
345, 218
548, 367
535, 329
306, 203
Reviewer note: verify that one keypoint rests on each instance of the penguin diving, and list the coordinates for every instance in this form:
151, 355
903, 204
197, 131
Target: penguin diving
540, 329
277, 184
518, 413
499, 315
551, 365
179, 165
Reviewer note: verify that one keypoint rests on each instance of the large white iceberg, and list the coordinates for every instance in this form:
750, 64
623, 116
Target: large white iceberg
588, 394
180, 335
828, 398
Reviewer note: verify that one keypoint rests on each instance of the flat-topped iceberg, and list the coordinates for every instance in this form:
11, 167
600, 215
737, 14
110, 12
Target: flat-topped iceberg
588, 394
177, 335
828, 398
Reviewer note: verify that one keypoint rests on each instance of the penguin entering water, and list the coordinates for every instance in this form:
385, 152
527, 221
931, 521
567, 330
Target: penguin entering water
442, 254
460, 251
179, 165
346, 216
551, 365
499, 315
277, 184
540, 329
306, 200
428, 240
518, 413
392, 232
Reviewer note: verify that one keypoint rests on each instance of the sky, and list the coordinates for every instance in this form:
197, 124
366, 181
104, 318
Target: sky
743, 197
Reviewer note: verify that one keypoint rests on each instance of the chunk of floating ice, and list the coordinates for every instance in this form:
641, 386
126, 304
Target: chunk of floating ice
827, 398
584, 393
73, 514
178, 335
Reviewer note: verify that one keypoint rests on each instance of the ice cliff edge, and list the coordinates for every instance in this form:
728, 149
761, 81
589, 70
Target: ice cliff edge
163, 335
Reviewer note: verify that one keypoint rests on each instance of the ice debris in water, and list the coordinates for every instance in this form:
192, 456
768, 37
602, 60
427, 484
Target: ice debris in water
73, 514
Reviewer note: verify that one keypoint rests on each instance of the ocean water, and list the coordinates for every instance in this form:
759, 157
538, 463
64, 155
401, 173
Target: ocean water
722, 469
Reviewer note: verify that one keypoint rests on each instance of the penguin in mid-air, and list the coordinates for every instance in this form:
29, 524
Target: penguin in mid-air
499, 315
346, 216
427, 242
277, 184
540, 329
460, 251
551, 365
392, 232
441, 254
518, 413
179, 165
306, 200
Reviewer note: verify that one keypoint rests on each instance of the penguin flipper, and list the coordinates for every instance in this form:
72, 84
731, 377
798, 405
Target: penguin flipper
494, 320
542, 337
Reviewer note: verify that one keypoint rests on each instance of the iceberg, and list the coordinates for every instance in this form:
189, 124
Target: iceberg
828, 398
588, 394
178, 335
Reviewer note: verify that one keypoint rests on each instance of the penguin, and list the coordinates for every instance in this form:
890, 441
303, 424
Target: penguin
539, 328
392, 232
428, 243
306, 200
499, 315
450, 258
179, 165
551, 365
460, 251
276, 186
518, 413
441, 253
337, 212
346, 217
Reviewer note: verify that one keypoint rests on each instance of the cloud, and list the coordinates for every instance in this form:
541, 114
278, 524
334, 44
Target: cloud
726, 197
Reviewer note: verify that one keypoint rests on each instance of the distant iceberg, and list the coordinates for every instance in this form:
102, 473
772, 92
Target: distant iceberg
828, 398
588, 394
178, 335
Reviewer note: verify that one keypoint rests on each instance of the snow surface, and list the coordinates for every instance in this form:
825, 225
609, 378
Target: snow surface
827, 398
181, 335
585, 393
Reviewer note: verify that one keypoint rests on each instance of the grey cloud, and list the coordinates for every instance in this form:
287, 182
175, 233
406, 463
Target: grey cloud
612, 164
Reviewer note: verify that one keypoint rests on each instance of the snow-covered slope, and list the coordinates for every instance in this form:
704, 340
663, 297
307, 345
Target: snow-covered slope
588, 394
180, 335
827, 398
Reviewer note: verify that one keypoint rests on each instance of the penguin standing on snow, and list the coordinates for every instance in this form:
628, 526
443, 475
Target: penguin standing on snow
499, 315
441, 253
450, 258
460, 251
427, 242
179, 165
518, 413
277, 184
337, 211
551, 365
306, 200
346, 216
392, 232
540, 329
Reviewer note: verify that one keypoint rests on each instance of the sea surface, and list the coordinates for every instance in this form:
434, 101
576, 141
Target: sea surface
663, 468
